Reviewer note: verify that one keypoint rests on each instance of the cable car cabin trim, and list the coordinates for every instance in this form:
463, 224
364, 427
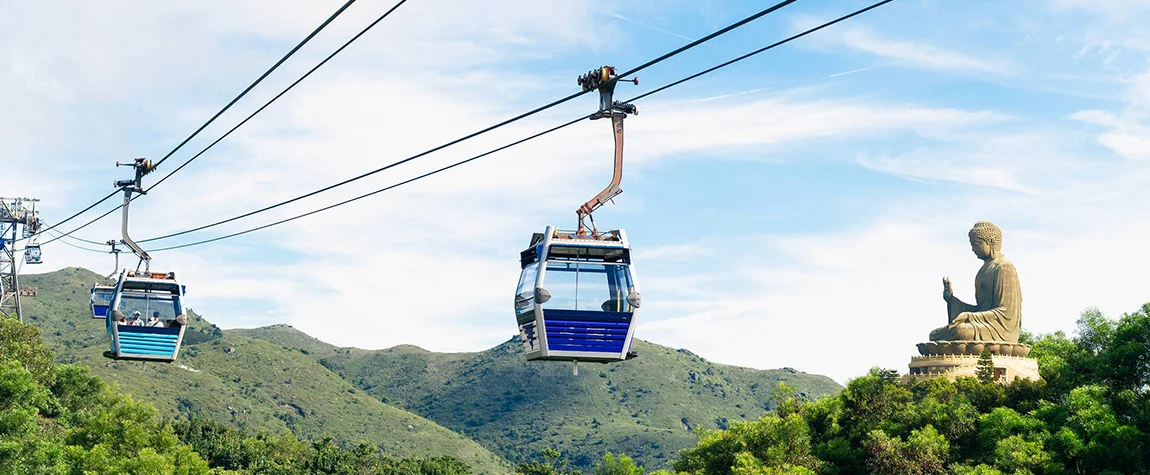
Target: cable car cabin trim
540, 325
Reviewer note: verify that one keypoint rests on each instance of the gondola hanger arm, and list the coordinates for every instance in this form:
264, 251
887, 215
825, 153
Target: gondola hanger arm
604, 80
143, 167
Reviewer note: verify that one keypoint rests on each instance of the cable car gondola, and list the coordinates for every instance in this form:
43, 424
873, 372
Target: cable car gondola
577, 297
101, 299
32, 254
141, 296
145, 315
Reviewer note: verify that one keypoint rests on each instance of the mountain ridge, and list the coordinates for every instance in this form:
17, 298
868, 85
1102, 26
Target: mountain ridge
249, 383
491, 406
464, 392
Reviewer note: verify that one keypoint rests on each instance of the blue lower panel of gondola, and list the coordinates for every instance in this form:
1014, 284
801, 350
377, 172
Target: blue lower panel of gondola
152, 341
589, 331
99, 311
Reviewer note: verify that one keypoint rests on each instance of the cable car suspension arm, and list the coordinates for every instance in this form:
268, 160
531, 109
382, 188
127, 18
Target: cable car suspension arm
143, 167
604, 80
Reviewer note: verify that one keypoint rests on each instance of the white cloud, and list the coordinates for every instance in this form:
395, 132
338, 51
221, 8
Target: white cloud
433, 263
918, 54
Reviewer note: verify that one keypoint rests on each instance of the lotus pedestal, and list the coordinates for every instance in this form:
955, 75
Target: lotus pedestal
955, 359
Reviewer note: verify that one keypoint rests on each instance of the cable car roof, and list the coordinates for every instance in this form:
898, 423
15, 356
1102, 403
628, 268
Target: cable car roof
135, 280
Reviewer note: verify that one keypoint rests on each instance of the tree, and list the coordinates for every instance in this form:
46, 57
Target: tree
621, 465
985, 371
552, 464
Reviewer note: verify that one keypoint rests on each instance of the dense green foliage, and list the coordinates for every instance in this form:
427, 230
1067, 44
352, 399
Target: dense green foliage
246, 383
647, 408
552, 462
1090, 414
63, 420
231, 448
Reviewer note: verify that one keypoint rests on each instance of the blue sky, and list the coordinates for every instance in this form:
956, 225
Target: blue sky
798, 209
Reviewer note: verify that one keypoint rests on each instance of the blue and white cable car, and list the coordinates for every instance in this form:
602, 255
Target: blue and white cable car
577, 298
147, 317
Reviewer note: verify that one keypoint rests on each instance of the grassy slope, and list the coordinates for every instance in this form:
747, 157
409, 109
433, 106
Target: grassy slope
232, 378
646, 408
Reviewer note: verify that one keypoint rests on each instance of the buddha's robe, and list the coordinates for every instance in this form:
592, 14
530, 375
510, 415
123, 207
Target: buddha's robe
997, 313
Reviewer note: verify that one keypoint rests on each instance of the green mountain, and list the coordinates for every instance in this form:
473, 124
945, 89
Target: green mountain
278, 378
250, 383
646, 408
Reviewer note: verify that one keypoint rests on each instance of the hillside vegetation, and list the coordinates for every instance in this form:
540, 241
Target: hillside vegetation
251, 384
59, 419
1089, 415
647, 408
277, 378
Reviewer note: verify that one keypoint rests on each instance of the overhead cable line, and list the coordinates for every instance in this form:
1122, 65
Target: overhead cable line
488, 129
85, 210
230, 104
277, 96
539, 134
77, 246
258, 80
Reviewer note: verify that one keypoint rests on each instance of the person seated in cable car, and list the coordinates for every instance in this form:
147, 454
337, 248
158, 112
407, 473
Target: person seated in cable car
136, 320
155, 320
120, 319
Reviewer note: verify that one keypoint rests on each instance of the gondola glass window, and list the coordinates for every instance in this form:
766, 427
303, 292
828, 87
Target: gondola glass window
588, 286
147, 303
525, 294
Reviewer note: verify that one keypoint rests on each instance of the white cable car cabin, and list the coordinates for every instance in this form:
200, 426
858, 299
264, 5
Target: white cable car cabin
33, 254
146, 294
100, 300
577, 298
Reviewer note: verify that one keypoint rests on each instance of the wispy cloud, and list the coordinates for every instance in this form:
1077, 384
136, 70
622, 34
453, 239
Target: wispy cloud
918, 54
853, 71
647, 26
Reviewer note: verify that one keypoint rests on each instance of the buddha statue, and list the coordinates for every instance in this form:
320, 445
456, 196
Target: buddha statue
997, 311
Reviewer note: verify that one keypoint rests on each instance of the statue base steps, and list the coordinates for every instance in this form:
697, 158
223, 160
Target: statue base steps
1006, 368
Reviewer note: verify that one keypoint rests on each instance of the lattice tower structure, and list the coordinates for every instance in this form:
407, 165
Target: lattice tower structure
18, 217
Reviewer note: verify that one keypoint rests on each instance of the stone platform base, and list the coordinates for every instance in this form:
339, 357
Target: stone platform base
1006, 368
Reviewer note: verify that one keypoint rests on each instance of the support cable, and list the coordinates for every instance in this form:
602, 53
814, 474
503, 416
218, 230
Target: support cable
537, 110
512, 144
214, 117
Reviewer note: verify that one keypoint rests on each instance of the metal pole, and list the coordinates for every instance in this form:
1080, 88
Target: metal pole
16, 277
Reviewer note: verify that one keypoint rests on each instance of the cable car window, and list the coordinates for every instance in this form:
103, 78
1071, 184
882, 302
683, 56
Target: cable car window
603, 288
148, 303
525, 293
588, 286
562, 281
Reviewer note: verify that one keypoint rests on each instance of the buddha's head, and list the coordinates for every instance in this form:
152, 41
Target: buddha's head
985, 239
